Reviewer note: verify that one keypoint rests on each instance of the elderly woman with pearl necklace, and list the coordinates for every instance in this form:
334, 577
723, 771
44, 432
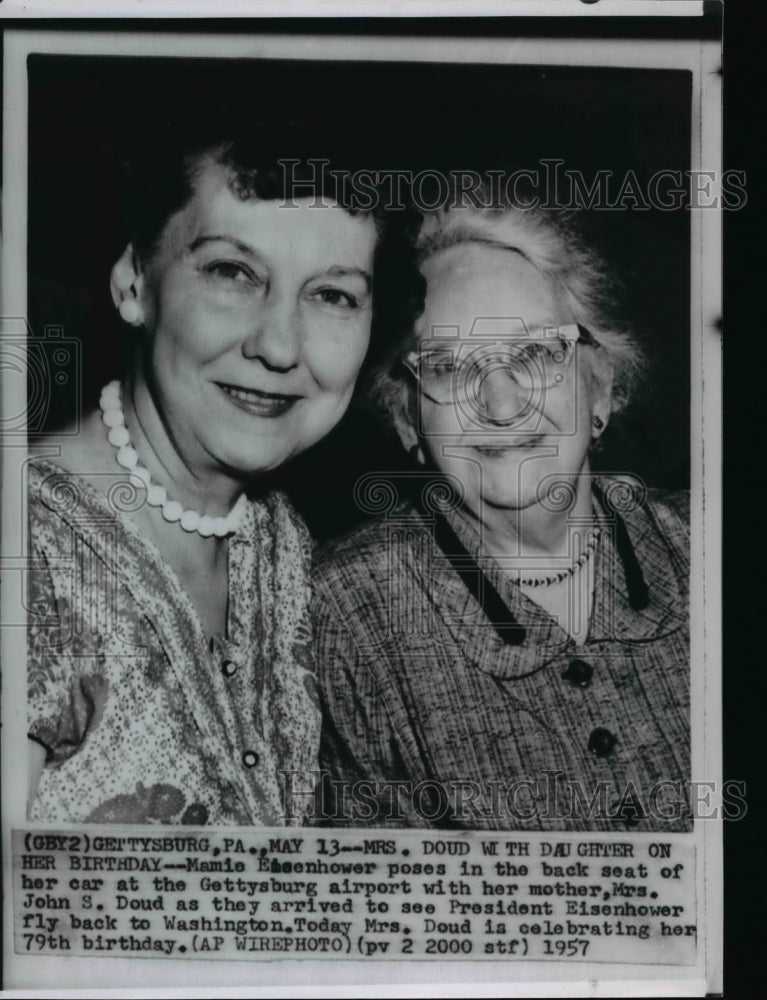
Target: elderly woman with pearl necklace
506, 644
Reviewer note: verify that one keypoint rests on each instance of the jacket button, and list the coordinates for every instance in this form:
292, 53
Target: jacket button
578, 673
250, 758
629, 812
601, 742
228, 668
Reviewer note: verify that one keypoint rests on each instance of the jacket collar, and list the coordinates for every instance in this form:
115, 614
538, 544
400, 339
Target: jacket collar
613, 619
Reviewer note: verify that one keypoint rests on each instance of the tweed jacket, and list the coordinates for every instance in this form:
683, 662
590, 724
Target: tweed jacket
432, 718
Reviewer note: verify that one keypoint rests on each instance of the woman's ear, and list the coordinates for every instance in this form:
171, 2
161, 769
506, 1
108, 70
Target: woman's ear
126, 285
404, 423
601, 392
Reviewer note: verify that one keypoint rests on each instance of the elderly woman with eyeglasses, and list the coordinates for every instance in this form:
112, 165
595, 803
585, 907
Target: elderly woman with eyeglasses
506, 644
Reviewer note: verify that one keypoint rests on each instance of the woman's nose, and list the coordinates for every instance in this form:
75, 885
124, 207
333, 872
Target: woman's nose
502, 401
274, 337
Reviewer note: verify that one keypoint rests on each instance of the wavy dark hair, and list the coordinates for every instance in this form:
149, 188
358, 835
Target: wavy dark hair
160, 177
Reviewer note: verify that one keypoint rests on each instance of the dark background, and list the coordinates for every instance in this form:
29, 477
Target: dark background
85, 111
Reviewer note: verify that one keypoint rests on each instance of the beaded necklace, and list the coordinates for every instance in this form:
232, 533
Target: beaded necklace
550, 581
190, 520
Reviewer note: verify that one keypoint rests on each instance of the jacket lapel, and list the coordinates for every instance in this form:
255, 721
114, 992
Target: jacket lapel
612, 616
469, 625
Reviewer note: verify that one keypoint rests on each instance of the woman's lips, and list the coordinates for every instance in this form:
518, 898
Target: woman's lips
259, 404
520, 443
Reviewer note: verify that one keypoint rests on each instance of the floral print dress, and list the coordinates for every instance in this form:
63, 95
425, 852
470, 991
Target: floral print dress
142, 718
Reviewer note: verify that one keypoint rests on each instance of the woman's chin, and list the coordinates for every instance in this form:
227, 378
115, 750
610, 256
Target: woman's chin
251, 462
507, 499
504, 481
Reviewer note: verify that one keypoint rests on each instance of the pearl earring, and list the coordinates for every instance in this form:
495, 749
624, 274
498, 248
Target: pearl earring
130, 311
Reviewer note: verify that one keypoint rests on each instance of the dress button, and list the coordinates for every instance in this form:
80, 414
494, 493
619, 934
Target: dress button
629, 812
250, 758
601, 742
578, 673
228, 668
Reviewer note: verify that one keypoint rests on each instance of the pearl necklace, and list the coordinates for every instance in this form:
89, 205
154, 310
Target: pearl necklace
156, 496
549, 581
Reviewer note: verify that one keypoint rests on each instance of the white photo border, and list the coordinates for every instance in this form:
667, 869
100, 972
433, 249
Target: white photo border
415, 978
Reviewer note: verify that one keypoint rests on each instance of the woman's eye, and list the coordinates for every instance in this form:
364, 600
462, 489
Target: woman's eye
530, 355
443, 368
229, 271
528, 351
337, 297
438, 364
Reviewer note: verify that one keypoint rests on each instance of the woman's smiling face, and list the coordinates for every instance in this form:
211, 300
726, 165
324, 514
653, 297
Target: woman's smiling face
258, 319
512, 444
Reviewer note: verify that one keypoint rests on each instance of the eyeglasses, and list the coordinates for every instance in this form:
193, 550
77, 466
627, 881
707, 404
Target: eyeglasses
450, 371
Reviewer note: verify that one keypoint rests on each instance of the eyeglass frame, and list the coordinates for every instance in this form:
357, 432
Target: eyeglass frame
585, 338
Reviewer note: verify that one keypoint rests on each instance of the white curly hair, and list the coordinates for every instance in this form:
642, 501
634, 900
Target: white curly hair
551, 242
